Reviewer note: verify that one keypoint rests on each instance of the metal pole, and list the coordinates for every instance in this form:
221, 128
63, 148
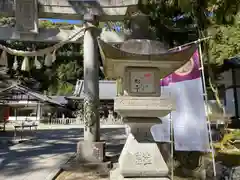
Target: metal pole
190, 43
172, 136
206, 100
172, 148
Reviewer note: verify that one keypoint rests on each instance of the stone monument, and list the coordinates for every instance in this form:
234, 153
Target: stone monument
138, 65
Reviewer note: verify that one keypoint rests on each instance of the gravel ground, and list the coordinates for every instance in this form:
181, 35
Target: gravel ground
90, 176
79, 176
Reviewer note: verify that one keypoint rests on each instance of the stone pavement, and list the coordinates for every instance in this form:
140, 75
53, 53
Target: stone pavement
79, 176
39, 159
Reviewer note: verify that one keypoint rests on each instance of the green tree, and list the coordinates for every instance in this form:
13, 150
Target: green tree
200, 15
218, 18
62, 76
225, 42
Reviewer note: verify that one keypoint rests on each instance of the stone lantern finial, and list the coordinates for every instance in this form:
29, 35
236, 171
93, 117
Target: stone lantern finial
139, 25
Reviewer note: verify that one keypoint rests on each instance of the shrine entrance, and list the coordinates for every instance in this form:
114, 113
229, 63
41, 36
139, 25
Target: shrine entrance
27, 14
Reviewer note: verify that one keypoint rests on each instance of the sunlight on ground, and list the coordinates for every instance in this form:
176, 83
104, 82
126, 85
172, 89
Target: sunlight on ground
65, 175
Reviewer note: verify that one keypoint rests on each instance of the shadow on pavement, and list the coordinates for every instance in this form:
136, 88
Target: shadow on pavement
45, 151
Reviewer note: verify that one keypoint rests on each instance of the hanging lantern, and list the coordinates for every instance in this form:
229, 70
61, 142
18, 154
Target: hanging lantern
4, 59
25, 64
48, 60
15, 64
37, 64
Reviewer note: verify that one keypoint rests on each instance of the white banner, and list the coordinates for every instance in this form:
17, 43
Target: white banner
189, 119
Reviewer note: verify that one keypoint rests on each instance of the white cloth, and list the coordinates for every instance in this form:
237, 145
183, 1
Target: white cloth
189, 120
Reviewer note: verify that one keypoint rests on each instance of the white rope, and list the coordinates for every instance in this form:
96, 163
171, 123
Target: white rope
78, 34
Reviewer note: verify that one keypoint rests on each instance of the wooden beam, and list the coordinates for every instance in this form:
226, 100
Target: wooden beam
75, 9
44, 35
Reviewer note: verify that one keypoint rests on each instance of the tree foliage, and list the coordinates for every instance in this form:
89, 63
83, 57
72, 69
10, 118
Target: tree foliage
62, 76
174, 21
225, 42
181, 21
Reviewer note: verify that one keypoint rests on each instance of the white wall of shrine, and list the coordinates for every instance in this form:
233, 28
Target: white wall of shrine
227, 81
25, 111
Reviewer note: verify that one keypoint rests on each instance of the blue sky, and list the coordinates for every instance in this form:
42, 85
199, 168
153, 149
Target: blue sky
63, 21
117, 28
79, 21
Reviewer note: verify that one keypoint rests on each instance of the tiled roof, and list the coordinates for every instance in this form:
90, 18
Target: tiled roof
233, 60
59, 99
28, 92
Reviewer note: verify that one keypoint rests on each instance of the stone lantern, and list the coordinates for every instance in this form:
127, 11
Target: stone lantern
138, 65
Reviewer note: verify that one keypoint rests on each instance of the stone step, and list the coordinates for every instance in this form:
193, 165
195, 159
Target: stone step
116, 175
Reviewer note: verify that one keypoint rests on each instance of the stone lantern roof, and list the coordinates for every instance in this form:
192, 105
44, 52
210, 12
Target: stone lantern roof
142, 52
143, 47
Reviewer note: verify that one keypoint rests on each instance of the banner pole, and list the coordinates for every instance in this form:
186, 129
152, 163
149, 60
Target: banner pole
172, 136
206, 104
172, 146
190, 43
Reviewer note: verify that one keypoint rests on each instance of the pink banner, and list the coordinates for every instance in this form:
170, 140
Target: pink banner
189, 71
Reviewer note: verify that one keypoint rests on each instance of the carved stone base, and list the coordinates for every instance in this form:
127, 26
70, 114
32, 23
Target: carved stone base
141, 159
141, 156
91, 152
116, 175
90, 157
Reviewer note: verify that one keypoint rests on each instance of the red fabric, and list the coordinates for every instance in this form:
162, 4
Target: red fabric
6, 113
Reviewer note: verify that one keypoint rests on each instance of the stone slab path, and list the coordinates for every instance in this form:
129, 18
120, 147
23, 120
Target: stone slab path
39, 159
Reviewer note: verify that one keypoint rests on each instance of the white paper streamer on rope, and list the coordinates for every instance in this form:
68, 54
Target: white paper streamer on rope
15, 63
48, 60
25, 64
37, 64
77, 33
54, 56
4, 59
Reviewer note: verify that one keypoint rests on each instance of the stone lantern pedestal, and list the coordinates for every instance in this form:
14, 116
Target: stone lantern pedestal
140, 103
141, 156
